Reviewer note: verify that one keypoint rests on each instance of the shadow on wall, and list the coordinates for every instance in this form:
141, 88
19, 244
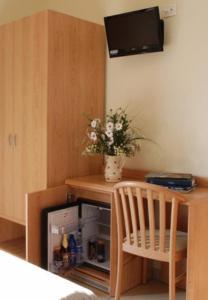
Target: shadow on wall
91, 10
11, 10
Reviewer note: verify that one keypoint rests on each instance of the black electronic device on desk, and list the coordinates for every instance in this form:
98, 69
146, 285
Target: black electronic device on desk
176, 181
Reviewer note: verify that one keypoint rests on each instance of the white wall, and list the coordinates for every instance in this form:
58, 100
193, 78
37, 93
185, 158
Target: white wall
166, 92
92, 10
11, 10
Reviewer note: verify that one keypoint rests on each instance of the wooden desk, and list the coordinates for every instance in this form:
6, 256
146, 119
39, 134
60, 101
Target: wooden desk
96, 183
94, 187
197, 202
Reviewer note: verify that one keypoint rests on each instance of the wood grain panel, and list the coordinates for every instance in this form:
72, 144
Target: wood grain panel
6, 120
102, 197
35, 203
10, 230
15, 247
97, 183
52, 73
30, 94
76, 65
197, 263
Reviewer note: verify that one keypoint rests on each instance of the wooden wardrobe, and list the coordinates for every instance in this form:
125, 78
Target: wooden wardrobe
52, 72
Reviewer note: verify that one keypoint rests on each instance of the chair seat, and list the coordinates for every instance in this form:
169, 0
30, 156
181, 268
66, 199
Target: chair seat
181, 241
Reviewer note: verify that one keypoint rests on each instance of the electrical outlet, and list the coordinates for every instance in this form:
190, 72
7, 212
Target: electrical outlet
168, 10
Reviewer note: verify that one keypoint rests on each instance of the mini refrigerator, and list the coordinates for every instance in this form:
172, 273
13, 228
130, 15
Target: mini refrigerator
92, 220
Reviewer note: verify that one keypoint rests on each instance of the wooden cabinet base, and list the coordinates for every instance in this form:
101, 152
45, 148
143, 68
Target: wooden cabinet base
58, 195
15, 247
180, 268
10, 230
12, 238
95, 188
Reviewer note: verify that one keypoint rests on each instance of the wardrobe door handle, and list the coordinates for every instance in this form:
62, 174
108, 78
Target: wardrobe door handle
15, 140
10, 139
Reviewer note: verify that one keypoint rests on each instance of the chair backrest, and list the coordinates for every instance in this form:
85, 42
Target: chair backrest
135, 204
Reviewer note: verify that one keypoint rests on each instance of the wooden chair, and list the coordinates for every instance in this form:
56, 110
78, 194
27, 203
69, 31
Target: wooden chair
139, 233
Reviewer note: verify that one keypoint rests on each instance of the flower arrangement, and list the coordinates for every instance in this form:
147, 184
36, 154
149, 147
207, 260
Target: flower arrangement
116, 137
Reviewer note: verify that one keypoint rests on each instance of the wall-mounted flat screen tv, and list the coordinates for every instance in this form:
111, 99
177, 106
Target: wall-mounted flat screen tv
135, 32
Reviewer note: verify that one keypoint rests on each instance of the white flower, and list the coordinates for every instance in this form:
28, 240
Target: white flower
109, 133
114, 136
94, 123
111, 141
109, 126
118, 126
93, 136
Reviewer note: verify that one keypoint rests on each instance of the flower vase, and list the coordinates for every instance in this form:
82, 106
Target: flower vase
113, 168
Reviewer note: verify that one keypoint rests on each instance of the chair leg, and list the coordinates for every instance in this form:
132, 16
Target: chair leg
119, 275
172, 281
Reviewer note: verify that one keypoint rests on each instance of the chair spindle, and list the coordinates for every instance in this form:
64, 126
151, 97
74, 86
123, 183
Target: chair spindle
151, 215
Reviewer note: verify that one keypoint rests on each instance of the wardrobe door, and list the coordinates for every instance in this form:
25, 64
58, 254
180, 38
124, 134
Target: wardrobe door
30, 104
75, 90
6, 121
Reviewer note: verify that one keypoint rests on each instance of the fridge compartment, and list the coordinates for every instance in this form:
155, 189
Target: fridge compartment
104, 216
90, 252
104, 231
93, 221
97, 230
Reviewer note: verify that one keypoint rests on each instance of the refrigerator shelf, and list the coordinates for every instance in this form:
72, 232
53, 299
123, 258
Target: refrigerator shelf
104, 236
103, 224
105, 265
86, 220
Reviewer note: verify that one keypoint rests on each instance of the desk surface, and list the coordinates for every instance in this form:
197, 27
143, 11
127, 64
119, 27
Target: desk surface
98, 184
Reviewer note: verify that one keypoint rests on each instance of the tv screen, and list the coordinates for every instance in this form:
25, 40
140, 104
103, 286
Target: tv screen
134, 32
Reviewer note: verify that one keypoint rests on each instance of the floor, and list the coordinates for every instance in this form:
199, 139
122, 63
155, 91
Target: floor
151, 291
16, 247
